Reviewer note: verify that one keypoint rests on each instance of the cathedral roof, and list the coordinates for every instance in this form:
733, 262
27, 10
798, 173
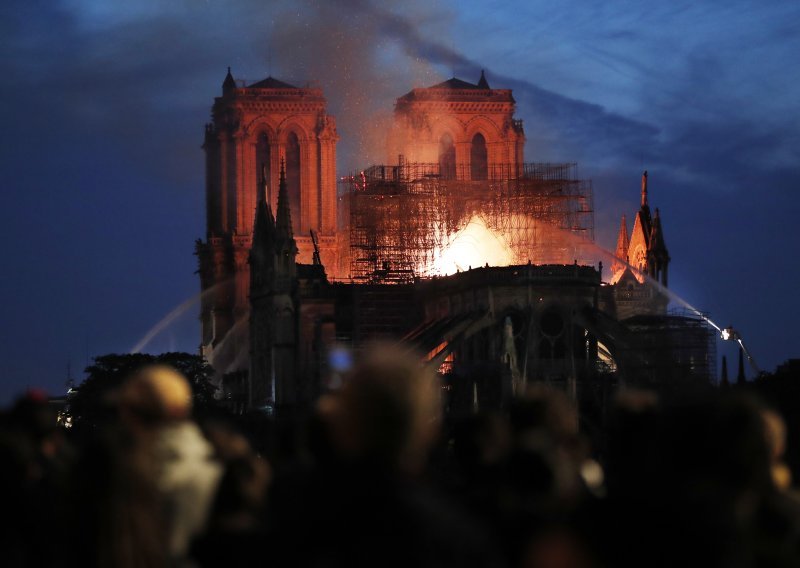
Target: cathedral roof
459, 90
455, 83
271, 83
311, 272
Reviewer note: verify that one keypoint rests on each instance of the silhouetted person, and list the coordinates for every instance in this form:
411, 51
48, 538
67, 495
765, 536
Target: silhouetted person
155, 406
632, 449
708, 497
33, 483
235, 534
557, 546
547, 477
116, 518
366, 507
775, 432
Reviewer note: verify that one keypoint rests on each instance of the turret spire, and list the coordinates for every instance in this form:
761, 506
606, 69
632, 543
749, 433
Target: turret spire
644, 189
229, 83
623, 244
265, 194
483, 83
723, 381
622, 240
644, 217
285, 245
656, 241
263, 234
657, 254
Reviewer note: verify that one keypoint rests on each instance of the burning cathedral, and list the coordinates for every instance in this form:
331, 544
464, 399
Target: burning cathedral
484, 263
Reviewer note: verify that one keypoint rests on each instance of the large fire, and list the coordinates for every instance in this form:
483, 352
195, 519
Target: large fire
473, 246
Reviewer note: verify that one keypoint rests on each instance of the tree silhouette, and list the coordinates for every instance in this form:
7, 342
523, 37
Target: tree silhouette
89, 402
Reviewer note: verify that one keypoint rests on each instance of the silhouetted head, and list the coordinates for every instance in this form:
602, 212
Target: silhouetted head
387, 412
481, 440
775, 432
155, 394
557, 547
719, 444
32, 414
548, 454
544, 410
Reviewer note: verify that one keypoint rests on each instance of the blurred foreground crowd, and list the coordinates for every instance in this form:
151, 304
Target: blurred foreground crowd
376, 476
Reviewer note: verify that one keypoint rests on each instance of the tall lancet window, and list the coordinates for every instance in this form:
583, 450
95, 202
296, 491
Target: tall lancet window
479, 163
447, 157
262, 163
293, 179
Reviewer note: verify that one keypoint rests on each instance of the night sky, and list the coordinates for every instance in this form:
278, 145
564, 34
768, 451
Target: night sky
103, 107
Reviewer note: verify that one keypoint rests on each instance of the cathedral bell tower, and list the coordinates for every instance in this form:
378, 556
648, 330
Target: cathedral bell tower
468, 129
255, 128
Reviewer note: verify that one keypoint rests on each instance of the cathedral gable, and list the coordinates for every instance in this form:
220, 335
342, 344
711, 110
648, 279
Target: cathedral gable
637, 249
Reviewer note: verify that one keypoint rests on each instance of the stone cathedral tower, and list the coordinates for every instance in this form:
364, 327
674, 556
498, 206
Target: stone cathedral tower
253, 128
469, 129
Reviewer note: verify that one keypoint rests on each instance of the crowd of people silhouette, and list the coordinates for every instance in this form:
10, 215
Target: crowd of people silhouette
376, 475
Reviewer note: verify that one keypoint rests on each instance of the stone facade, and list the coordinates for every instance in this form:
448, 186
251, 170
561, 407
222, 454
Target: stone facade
271, 314
254, 128
468, 128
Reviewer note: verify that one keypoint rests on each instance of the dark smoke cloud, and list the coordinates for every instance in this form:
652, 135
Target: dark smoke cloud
344, 46
561, 124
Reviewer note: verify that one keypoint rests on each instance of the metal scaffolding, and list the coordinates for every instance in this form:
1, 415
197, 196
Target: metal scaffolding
401, 217
677, 346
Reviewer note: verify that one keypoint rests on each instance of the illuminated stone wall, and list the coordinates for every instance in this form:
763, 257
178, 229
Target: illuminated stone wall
449, 122
254, 128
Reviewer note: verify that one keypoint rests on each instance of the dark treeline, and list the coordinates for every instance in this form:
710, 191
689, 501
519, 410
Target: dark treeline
376, 474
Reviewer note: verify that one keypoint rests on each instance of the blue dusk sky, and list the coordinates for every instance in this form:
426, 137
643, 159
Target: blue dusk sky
104, 102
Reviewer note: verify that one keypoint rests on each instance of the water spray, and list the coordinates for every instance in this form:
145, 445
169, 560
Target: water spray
234, 332
173, 315
726, 334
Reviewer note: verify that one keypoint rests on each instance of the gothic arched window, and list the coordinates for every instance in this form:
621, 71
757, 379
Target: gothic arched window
293, 178
479, 163
447, 157
262, 163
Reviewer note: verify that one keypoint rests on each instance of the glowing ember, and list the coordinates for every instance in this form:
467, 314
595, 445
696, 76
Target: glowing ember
473, 246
